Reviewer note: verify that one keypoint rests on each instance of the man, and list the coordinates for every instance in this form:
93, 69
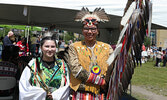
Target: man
87, 58
154, 48
6, 40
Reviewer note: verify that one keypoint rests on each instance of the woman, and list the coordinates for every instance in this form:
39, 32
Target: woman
45, 77
87, 59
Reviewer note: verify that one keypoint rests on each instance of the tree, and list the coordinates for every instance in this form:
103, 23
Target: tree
69, 36
147, 41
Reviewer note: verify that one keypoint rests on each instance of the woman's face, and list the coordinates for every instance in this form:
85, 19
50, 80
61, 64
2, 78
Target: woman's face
48, 48
90, 32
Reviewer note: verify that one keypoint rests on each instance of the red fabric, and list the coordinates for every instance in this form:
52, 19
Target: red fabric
20, 45
64, 73
92, 79
24, 49
143, 47
84, 95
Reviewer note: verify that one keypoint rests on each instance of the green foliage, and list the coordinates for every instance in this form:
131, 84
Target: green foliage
7, 28
69, 36
81, 38
21, 27
4, 32
151, 77
147, 41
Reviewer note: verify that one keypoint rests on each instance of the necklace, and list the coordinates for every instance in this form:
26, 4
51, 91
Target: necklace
95, 69
48, 65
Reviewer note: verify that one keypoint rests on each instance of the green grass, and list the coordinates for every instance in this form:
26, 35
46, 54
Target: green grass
152, 78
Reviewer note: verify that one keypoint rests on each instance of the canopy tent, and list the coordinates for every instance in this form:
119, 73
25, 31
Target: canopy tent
54, 17
113, 7
47, 17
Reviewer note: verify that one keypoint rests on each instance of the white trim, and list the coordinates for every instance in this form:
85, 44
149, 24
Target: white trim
78, 72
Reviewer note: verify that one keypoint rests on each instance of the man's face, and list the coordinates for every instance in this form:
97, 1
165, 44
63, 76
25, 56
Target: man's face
90, 32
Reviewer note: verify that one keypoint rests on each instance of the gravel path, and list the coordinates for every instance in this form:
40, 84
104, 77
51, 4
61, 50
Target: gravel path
149, 95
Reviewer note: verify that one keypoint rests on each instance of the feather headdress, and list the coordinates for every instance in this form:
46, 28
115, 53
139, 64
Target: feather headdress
86, 17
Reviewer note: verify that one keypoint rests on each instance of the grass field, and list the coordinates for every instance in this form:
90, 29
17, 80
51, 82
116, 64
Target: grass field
152, 78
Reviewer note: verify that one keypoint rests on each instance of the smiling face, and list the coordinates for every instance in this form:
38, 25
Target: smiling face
48, 49
90, 32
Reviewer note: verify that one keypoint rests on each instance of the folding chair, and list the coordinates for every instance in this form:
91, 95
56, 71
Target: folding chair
7, 81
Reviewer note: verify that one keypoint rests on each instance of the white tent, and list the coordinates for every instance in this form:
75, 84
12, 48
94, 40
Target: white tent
60, 14
114, 7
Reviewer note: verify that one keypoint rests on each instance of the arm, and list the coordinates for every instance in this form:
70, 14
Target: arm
6, 41
79, 72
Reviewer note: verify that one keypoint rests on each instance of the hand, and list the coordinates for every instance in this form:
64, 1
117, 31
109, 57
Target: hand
14, 43
49, 96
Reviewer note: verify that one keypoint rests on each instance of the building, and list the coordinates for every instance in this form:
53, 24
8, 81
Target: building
161, 38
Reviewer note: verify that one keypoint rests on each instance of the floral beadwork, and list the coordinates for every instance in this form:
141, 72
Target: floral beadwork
101, 47
82, 50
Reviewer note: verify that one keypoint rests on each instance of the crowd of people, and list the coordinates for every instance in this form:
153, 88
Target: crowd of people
27, 47
153, 53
